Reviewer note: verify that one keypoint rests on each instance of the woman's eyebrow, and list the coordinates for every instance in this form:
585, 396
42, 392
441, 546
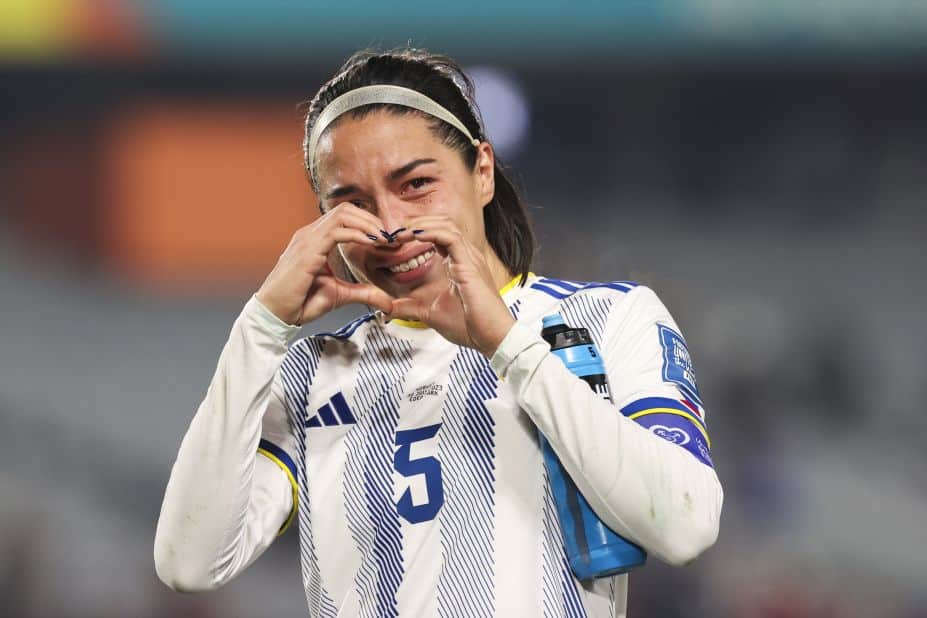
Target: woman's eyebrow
408, 167
396, 174
341, 192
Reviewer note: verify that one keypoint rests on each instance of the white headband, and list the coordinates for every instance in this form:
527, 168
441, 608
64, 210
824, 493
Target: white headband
382, 93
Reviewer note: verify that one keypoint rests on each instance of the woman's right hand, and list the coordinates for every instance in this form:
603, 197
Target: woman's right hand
302, 287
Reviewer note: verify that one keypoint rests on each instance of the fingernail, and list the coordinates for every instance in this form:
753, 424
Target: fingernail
417, 231
372, 237
386, 235
402, 229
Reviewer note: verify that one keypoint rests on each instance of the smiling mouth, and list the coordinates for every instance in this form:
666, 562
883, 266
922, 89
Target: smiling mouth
412, 263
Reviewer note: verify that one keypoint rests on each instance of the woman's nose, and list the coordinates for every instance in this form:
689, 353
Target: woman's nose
392, 214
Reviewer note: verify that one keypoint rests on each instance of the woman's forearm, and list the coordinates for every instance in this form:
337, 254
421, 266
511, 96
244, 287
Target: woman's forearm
224, 504
642, 486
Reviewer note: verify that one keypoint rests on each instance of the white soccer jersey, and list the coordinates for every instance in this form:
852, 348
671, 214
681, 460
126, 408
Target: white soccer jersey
421, 486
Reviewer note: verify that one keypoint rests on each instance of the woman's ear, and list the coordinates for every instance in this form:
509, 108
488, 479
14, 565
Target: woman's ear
485, 172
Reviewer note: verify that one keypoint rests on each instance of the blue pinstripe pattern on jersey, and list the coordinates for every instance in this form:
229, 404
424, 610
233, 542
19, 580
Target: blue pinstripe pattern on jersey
368, 485
348, 329
467, 451
562, 284
561, 289
515, 308
572, 605
549, 290
621, 286
298, 370
559, 590
589, 312
612, 588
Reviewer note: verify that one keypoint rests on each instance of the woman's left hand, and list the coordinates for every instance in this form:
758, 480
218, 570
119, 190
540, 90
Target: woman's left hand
468, 311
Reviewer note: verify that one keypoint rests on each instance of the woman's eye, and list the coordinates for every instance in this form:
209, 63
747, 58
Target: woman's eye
419, 183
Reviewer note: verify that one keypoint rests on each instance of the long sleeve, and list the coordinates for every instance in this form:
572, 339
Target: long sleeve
225, 502
653, 484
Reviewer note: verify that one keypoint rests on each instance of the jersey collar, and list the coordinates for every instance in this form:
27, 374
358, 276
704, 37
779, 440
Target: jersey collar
503, 292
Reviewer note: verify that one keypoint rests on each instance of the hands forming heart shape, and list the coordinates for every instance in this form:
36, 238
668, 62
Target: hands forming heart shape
465, 309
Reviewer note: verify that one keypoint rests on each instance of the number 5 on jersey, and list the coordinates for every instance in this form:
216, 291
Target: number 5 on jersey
429, 466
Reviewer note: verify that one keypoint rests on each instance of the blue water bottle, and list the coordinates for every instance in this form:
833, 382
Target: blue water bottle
592, 548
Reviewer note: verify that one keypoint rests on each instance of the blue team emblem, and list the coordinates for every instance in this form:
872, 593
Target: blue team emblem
675, 425
677, 363
676, 435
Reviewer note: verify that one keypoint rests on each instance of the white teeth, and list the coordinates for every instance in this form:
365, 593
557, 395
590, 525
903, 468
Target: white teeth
413, 263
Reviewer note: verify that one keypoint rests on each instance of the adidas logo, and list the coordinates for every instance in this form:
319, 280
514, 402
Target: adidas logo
335, 412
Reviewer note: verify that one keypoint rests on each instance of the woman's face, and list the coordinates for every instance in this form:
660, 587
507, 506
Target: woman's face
395, 168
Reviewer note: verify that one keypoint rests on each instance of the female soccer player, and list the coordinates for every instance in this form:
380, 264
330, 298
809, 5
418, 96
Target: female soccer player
406, 442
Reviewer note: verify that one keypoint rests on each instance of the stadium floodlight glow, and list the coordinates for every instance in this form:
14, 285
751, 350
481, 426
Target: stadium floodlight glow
504, 107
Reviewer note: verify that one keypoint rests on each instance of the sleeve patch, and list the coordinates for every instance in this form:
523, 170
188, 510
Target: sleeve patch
680, 430
677, 364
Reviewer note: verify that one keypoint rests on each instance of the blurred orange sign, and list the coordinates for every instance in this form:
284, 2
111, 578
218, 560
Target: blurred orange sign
204, 194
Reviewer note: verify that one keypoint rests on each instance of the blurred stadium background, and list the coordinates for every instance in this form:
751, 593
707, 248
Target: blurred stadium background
762, 165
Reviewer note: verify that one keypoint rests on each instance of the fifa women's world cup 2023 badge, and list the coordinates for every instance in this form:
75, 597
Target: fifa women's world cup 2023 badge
677, 364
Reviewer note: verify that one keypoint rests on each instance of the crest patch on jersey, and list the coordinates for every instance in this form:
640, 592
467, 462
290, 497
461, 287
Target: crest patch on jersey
679, 430
673, 434
677, 363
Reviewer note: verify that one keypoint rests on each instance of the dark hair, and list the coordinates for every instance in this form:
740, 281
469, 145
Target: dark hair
505, 218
